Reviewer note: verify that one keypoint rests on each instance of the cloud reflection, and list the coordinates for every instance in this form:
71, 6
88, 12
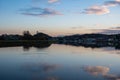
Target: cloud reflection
52, 78
101, 70
96, 70
42, 67
112, 77
41, 71
48, 67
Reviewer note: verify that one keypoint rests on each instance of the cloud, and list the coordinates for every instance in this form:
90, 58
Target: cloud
113, 30
116, 28
34, 11
110, 31
37, 0
112, 3
49, 1
52, 1
95, 70
98, 10
102, 9
77, 27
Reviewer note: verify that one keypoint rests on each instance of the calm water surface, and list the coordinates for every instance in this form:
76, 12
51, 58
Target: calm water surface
59, 62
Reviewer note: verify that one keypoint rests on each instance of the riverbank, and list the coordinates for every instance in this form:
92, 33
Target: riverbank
29, 43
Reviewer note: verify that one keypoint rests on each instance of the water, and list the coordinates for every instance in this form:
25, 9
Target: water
59, 62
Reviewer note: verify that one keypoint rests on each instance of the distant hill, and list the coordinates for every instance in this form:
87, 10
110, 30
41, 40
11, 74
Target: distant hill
41, 36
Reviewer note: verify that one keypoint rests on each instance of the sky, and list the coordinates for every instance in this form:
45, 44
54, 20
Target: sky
60, 17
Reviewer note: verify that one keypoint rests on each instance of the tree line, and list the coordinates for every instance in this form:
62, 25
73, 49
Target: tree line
26, 36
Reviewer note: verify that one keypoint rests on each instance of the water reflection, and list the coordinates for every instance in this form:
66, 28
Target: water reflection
37, 46
101, 70
41, 71
96, 70
44, 44
112, 77
62, 62
92, 45
52, 78
40, 67
26, 45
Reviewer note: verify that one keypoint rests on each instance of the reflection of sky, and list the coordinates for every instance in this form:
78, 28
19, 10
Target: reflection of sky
96, 70
103, 71
38, 69
60, 63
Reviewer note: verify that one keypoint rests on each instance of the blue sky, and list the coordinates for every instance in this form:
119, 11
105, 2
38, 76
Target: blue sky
60, 17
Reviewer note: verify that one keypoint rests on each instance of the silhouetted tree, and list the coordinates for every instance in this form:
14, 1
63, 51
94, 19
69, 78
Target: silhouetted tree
1, 37
27, 35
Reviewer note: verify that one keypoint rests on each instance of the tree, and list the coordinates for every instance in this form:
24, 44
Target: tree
27, 35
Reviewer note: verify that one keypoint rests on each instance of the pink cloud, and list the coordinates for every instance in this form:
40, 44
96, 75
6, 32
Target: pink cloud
52, 1
98, 10
102, 9
112, 3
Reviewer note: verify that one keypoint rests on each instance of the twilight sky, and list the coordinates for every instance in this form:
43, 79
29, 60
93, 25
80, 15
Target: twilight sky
60, 17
